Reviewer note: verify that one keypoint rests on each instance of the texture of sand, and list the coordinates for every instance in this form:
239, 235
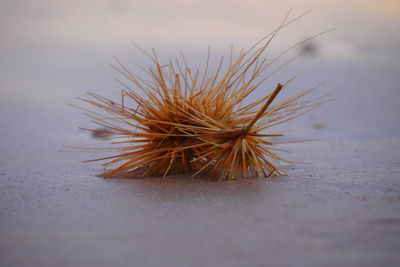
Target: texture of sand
342, 210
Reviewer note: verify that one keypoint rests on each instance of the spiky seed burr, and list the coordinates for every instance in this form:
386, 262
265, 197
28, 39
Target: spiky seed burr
187, 122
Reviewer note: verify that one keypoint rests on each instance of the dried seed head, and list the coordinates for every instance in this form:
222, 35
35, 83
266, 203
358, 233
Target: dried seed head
187, 122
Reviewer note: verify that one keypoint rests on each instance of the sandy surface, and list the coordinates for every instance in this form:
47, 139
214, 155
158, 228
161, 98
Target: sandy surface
342, 210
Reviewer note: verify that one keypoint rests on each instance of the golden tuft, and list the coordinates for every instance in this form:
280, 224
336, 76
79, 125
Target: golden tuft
181, 120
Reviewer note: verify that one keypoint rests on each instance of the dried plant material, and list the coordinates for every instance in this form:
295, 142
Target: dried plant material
179, 120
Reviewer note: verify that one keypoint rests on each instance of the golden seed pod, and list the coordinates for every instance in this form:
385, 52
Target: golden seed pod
186, 121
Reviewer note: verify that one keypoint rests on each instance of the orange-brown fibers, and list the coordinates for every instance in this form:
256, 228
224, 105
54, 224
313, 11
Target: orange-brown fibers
187, 121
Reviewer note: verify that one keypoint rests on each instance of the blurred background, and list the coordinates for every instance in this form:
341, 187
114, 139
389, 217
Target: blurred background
53, 51
341, 211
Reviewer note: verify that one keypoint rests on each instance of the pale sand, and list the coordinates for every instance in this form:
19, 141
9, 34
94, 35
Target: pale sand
342, 210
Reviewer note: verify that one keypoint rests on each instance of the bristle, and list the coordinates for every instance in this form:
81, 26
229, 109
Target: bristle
187, 122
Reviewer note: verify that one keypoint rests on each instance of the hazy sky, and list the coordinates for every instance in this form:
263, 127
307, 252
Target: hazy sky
50, 44
108, 24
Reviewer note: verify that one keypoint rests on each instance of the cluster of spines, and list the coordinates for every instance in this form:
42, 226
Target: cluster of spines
187, 122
